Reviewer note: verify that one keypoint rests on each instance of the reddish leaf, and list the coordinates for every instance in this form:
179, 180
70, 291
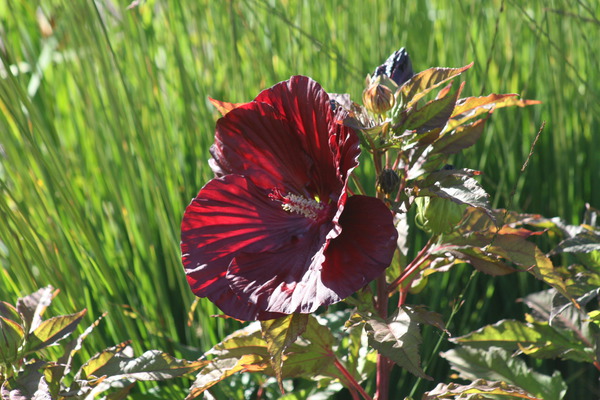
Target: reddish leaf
459, 139
423, 82
432, 115
222, 106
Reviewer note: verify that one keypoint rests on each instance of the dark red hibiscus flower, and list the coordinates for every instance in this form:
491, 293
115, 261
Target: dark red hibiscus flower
276, 232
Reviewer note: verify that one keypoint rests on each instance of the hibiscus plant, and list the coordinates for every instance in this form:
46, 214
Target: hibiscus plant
286, 229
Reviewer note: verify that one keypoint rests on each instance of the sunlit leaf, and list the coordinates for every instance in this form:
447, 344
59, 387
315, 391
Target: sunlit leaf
30, 384
153, 365
459, 139
9, 311
398, 338
423, 82
52, 330
471, 107
31, 307
99, 360
496, 364
222, 106
11, 338
319, 335
457, 186
479, 390
222, 368
279, 334
432, 115
535, 339
584, 242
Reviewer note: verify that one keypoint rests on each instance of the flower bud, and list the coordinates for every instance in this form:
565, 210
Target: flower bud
378, 98
437, 215
388, 181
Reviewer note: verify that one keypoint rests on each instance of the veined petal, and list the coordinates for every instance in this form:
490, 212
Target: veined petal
318, 271
254, 140
232, 215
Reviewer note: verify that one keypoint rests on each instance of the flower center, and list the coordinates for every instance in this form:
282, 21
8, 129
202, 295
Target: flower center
309, 208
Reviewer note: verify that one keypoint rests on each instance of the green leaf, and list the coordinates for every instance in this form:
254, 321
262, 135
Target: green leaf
479, 390
8, 311
318, 335
243, 350
52, 330
11, 338
398, 338
423, 82
220, 369
89, 368
279, 334
153, 365
496, 364
535, 339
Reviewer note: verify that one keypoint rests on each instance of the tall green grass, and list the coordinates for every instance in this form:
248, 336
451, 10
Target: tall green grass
105, 127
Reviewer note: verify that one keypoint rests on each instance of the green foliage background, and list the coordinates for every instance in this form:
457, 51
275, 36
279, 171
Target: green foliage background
105, 127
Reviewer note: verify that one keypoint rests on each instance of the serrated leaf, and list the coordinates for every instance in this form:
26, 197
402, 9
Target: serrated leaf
244, 349
89, 368
477, 390
11, 338
53, 330
397, 338
460, 138
279, 334
423, 82
584, 242
318, 334
153, 365
457, 186
496, 364
537, 339
32, 307
544, 270
432, 115
471, 107
220, 369
482, 261
422, 315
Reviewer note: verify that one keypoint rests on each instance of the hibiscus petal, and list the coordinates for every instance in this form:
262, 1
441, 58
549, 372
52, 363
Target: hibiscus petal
306, 105
255, 140
363, 250
319, 271
231, 215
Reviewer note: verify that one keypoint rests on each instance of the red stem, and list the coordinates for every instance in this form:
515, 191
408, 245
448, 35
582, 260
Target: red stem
350, 378
413, 266
383, 364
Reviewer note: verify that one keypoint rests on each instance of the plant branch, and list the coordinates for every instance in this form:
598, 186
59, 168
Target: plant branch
354, 384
